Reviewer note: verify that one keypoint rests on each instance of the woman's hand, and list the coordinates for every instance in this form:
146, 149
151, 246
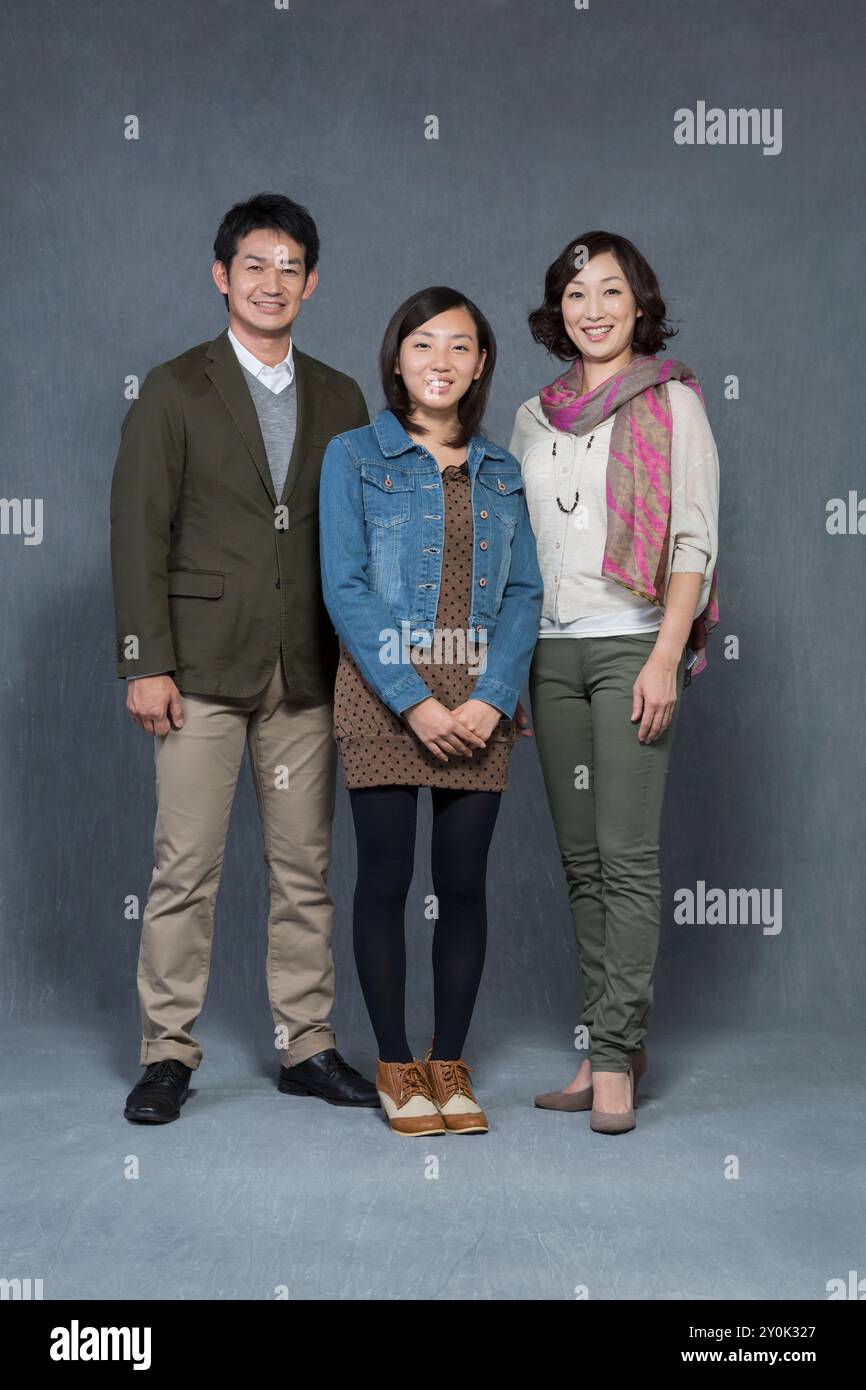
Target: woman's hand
478, 716
444, 731
521, 720
655, 696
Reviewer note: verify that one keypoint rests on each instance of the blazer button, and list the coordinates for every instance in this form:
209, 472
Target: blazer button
482, 582
276, 583
483, 515
482, 545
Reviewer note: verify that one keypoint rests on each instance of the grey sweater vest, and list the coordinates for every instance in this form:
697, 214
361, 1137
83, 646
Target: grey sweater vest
278, 419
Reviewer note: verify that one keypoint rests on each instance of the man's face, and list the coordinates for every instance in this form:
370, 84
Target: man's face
267, 285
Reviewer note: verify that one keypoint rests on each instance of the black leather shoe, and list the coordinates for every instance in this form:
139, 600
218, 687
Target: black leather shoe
160, 1093
327, 1076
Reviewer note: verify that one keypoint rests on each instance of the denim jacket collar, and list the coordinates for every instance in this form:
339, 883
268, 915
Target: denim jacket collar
394, 440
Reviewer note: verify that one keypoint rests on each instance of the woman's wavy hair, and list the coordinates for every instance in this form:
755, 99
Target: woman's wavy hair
651, 330
417, 309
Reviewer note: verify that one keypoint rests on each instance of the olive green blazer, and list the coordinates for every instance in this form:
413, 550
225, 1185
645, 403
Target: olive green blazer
213, 573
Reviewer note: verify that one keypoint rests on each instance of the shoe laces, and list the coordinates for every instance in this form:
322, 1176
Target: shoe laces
161, 1071
454, 1077
412, 1080
339, 1064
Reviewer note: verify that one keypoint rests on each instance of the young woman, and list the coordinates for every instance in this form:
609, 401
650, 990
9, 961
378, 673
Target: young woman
430, 575
621, 477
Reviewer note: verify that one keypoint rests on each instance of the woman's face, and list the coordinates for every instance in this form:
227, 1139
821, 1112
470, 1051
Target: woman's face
440, 360
599, 310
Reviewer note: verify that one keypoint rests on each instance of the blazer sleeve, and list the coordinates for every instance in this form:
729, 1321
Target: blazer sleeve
362, 416
360, 616
145, 488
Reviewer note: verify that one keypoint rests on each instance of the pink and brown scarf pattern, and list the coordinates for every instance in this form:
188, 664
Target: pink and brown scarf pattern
638, 472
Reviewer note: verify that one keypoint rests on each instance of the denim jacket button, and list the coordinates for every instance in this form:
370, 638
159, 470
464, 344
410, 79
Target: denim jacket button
483, 516
388, 482
482, 582
482, 545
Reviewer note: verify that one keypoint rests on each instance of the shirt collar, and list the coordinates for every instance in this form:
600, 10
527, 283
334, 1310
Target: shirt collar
283, 374
394, 440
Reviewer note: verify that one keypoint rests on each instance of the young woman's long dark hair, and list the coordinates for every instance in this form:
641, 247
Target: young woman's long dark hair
650, 330
414, 311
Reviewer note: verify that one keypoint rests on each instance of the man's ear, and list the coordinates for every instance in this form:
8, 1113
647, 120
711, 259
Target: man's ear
220, 276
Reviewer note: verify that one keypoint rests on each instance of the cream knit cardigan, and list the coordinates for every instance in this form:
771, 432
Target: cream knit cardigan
694, 505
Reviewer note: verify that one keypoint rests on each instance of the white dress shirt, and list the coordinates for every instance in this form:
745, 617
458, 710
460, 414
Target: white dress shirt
275, 378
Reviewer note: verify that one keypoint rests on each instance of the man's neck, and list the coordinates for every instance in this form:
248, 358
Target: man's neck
265, 346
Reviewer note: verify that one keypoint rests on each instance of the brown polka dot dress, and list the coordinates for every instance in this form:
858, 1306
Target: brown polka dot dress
377, 747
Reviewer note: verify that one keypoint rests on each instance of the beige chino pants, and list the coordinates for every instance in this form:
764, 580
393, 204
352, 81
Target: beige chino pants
293, 760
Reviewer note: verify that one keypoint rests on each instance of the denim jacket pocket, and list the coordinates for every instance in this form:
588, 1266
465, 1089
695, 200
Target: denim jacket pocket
505, 493
387, 494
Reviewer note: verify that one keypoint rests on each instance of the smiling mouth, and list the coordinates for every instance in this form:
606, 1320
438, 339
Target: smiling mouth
268, 303
598, 333
437, 383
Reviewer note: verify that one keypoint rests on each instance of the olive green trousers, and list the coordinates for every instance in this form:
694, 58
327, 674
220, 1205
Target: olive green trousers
605, 789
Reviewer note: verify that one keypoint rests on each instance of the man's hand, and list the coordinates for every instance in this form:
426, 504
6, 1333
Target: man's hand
155, 704
441, 730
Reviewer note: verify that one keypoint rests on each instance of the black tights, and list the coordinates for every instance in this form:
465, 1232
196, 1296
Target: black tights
463, 824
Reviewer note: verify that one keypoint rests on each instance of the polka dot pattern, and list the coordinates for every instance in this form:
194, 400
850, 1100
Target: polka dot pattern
376, 747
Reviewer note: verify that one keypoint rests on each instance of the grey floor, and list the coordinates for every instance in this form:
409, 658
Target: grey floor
251, 1193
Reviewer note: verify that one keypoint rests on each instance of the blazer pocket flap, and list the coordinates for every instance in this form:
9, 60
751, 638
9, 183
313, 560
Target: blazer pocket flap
196, 583
388, 479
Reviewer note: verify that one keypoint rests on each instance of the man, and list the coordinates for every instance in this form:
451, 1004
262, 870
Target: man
224, 639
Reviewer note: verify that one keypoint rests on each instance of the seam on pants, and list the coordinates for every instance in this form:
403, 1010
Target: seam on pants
255, 763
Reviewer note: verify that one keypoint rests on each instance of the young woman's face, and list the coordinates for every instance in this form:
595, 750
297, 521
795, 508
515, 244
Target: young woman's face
599, 310
440, 360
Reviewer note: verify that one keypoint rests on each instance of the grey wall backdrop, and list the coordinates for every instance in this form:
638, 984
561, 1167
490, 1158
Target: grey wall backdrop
552, 121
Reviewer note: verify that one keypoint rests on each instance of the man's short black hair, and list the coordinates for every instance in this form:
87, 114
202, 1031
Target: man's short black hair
277, 213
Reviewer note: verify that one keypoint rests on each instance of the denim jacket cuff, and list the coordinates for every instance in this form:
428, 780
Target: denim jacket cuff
407, 692
503, 697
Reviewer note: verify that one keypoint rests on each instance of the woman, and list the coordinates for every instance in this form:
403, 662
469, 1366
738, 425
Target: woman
430, 575
621, 477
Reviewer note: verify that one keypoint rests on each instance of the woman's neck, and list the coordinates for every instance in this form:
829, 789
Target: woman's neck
595, 374
440, 428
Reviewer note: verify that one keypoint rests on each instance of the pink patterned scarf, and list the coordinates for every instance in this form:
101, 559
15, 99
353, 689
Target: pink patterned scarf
638, 473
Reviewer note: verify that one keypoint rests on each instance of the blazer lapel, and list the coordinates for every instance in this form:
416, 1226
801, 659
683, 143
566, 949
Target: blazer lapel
226, 373
308, 399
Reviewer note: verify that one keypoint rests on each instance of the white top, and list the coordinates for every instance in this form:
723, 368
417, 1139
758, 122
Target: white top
578, 600
275, 378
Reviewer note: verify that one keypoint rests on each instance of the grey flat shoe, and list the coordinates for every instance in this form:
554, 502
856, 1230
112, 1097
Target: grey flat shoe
565, 1100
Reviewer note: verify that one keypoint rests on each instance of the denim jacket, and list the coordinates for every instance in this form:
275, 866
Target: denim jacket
381, 534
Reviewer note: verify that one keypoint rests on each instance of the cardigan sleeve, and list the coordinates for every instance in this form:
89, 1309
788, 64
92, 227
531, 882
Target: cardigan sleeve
694, 490
521, 435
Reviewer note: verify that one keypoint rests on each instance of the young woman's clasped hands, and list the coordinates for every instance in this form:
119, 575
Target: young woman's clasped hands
455, 731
